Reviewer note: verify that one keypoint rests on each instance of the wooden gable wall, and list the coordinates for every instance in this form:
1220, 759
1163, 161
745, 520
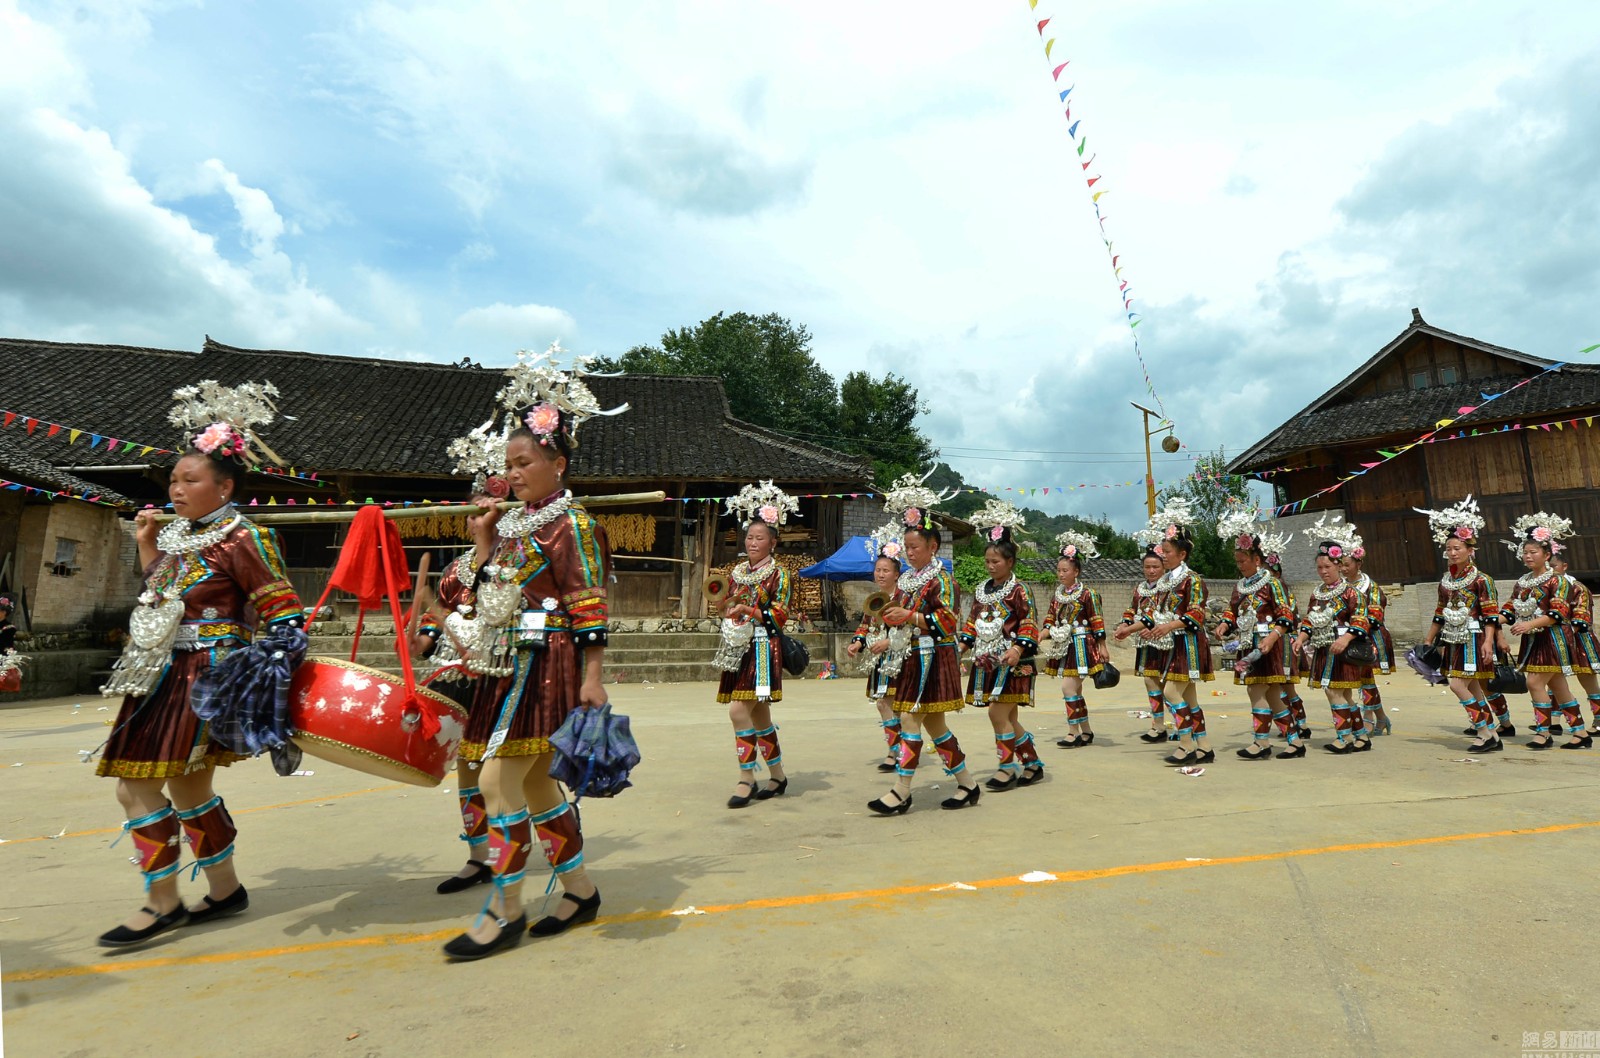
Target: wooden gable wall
1429, 353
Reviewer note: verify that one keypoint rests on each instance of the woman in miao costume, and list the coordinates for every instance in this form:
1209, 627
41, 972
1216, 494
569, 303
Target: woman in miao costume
1176, 628
884, 648
750, 655
1351, 565
1272, 547
929, 684
1001, 632
1466, 618
1260, 614
536, 637
1148, 660
1583, 634
1076, 626
217, 601
1335, 617
1541, 611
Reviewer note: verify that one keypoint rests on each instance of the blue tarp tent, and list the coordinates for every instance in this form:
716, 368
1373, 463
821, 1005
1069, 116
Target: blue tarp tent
853, 561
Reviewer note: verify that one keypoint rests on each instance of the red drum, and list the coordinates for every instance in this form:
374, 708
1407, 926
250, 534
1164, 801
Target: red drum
353, 715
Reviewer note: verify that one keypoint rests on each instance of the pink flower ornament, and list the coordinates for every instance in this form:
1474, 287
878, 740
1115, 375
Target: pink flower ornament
892, 550
497, 487
996, 532
1171, 533
218, 437
1463, 532
1359, 552
768, 514
1274, 560
1070, 551
913, 516
1245, 542
543, 421
1541, 533
1335, 551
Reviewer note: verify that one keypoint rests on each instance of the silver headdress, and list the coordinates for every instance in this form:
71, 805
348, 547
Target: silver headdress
222, 420
913, 501
1171, 522
998, 520
1077, 546
1273, 545
887, 539
1240, 527
1541, 528
1335, 537
764, 503
1463, 522
541, 397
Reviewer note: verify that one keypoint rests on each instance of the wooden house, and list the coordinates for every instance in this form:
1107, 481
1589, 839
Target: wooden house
1530, 450
378, 429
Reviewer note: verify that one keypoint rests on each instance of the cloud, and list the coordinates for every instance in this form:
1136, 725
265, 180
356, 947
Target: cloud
502, 329
670, 160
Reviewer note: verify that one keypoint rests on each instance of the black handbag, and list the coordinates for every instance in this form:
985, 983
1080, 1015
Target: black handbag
1507, 679
795, 655
1430, 655
1361, 652
1107, 678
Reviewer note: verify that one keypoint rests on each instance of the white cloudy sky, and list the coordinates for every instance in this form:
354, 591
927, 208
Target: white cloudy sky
438, 180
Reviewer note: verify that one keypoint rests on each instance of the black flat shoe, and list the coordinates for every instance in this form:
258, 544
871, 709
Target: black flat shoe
1339, 747
966, 798
1179, 759
1153, 736
1086, 739
1249, 752
482, 876
1204, 756
550, 925
1007, 783
767, 793
1510, 731
232, 904
1069, 743
1297, 750
1583, 743
1031, 775
1469, 731
465, 949
886, 766
1361, 745
1554, 729
123, 937
1486, 747
739, 802
1548, 743
884, 808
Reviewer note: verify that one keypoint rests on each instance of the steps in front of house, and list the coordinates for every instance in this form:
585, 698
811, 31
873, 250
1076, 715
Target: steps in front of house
632, 657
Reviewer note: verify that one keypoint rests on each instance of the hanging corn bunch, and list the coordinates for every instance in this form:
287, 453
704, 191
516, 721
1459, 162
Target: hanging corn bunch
629, 533
433, 526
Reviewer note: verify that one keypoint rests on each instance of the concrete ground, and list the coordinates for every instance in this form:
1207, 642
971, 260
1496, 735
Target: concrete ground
1398, 902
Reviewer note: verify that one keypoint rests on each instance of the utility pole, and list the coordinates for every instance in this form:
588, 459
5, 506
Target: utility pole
1170, 444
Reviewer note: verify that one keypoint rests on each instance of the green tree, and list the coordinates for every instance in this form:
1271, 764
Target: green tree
878, 419
765, 365
1210, 491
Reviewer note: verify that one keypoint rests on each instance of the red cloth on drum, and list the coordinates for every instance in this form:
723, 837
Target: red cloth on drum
362, 561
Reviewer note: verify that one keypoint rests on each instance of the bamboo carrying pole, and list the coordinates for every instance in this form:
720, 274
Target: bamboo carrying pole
422, 511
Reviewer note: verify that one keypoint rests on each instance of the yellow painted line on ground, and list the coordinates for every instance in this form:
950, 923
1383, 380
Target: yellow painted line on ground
387, 940
237, 812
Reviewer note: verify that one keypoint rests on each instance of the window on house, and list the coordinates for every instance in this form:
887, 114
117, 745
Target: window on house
1419, 380
1448, 376
66, 563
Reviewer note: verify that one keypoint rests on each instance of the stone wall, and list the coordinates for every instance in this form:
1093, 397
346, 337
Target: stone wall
105, 582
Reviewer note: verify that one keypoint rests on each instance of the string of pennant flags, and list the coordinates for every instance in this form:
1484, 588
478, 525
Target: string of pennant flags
1081, 145
71, 435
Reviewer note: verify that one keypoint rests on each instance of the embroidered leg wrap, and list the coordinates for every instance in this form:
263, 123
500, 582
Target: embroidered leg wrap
1261, 722
1027, 755
474, 820
891, 735
510, 840
1344, 720
1499, 711
1180, 719
1370, 698
1572, 713
744, 743
1077, 711
155, 843
949, 750
1197, 721
910, 755
767, 743
1478, 713
1297, 709
210, 832
1158, 704
1005, 748
560, 837
1541, 718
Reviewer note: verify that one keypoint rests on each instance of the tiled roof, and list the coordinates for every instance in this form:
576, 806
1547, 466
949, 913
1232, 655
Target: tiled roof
1327, 421
370, 416
19, 465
